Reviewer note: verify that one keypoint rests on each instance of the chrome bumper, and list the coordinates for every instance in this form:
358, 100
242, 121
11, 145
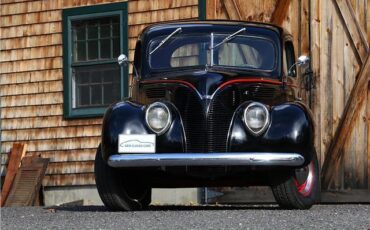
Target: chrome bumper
205, 159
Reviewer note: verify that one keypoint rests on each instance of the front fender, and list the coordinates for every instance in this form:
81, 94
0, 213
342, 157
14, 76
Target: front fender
291, 129
129, 118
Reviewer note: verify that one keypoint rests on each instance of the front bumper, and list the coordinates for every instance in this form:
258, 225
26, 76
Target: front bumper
206, 159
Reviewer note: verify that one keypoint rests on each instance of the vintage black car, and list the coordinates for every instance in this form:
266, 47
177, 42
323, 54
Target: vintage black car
213, 103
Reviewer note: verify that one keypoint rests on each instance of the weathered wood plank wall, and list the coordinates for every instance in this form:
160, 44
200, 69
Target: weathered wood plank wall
339, 67
31, 88
320, 31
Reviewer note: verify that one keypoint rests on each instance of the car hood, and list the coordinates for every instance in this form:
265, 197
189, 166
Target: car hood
207, 81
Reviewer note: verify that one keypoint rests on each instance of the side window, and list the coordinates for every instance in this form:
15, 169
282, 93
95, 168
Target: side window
137, 56
93, 38
290, 59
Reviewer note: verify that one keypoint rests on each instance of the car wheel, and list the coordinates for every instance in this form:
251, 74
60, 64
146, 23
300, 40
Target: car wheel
300, 188
117, 191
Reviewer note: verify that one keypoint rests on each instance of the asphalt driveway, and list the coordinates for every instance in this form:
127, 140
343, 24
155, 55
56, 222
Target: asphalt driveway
188, 217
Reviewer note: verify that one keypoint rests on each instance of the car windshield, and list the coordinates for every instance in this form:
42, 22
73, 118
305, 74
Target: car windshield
187, 50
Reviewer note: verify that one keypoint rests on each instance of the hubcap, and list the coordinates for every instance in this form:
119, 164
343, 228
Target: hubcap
304, 179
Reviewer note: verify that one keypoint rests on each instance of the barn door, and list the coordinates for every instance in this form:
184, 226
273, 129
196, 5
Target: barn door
333, 34
270, 11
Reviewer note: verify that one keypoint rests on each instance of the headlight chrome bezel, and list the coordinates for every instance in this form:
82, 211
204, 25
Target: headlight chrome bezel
169, 120
266, 123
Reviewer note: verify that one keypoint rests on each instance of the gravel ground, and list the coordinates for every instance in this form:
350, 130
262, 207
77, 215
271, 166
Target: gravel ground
188, 217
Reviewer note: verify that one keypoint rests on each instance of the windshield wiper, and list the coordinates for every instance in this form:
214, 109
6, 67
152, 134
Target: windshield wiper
165, 40
228, 38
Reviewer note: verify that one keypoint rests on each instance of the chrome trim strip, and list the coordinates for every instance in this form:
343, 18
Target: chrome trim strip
205, 159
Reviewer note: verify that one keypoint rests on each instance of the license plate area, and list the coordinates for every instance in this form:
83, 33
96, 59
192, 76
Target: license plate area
136, 143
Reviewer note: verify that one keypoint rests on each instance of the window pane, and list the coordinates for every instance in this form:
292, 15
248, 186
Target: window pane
83, 78
96, 93
106, 20
116, 47
111, 93
290, 59
105, 49
115, 19
93, 32
83, 98
187, 55
96, 77
107, 78
105, 31
93, 50
81, 51
81, 33
97, 85
115, 30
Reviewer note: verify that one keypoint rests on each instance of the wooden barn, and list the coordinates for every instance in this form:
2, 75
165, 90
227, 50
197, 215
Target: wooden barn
47, 44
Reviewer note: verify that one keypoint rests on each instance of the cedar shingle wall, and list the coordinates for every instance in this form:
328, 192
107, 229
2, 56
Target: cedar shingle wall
31, 88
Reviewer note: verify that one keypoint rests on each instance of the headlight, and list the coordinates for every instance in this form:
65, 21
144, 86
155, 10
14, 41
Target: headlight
158, 117
256, 118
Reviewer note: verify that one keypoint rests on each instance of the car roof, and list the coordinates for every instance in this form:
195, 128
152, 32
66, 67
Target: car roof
159, 26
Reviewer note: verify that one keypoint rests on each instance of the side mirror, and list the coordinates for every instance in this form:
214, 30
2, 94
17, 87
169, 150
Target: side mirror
302, 60
122, 59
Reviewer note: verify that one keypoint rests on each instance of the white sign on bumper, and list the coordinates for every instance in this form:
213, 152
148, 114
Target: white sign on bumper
136, 143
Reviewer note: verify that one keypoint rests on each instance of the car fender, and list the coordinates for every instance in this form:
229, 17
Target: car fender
290, 129
128, 117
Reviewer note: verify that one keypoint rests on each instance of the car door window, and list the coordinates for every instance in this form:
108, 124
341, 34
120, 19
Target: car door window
290, 59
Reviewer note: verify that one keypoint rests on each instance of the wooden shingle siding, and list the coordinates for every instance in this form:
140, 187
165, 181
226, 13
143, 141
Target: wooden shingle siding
31, 41
31, 53
31, 29
69, 179
31, 88
44, 122
31, 18
32, 99
31, 65
52, 133
78, 155
34, 76
57, 144
30, 111
30, 6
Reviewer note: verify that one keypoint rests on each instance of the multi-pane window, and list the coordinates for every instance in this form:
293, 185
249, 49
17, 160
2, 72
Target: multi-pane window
96, 75
96, 39
93, 38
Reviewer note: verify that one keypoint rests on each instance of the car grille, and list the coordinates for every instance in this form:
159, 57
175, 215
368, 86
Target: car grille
256, 92
193, 117
155, 92
206, 132
221, 110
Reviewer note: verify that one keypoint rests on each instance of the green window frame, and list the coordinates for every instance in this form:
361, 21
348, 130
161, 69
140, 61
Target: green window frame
202, 9
72, 16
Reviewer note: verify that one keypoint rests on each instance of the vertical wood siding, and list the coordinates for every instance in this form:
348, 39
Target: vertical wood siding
335, 67
31, 88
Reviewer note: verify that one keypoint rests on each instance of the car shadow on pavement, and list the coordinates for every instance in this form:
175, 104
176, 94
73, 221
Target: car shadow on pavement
170, 208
